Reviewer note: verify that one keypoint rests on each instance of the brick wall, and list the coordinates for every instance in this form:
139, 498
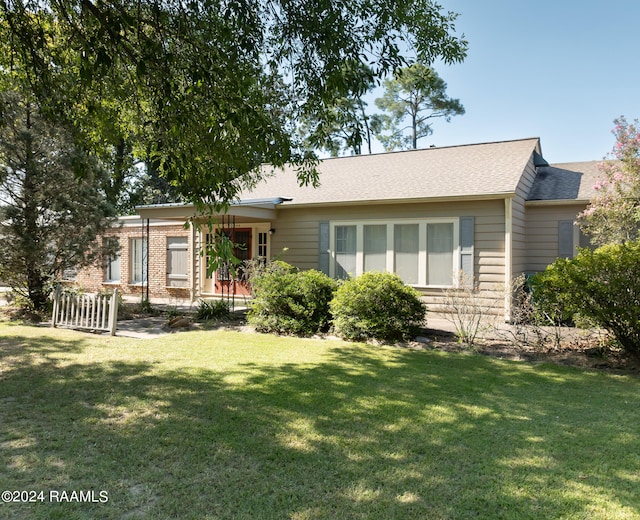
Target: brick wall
92, 279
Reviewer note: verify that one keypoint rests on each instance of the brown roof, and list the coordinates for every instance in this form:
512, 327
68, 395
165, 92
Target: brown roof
467, 171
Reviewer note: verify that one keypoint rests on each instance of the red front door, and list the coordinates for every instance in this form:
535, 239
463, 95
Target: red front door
225, 282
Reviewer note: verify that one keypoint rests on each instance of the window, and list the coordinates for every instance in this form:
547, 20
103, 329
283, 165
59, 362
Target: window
375, 247
112, 269
112, 263
423, 252
138, 260
262, 246
440, 250
177, 262
406, 249
345, 251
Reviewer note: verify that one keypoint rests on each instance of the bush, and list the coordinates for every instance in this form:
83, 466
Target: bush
377, 306
601, 285
550, 295
212, 310
257, 267
465, 307
287, 301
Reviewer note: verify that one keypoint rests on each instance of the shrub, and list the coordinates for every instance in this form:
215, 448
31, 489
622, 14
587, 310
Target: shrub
601, 285
534, 324
466, 308
550, 295
256, 267
212, 309
287, 301
377, 306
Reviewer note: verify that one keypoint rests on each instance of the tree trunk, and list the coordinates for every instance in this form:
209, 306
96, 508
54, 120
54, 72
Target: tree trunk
414, 131
31, 239
365, 120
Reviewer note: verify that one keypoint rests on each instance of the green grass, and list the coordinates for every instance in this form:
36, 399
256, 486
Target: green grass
237, 426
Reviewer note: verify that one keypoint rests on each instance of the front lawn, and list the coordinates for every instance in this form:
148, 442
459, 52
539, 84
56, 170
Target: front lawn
214, 424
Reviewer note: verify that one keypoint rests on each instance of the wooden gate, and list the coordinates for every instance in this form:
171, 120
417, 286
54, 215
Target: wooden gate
85, 311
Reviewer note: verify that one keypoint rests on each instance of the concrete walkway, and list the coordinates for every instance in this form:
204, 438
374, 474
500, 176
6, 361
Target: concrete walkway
142, 328
155, 327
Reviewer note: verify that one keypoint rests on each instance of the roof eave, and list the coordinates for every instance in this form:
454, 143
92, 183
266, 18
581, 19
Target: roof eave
557, 202
417, 200
249, 209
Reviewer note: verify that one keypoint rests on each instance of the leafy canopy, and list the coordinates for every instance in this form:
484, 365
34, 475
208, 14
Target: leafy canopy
209, 90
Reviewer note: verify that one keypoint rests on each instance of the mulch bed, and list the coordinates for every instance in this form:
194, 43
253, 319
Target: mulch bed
580, 349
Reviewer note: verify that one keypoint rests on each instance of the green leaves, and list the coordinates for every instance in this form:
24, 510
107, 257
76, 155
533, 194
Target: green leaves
288, 301
603, 285
211, 90
411, 101
377, 306
51, 214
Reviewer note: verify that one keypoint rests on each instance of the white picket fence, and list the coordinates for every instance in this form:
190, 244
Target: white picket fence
85, 311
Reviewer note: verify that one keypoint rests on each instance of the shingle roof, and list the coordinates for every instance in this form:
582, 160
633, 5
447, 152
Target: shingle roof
565, 181
458, 171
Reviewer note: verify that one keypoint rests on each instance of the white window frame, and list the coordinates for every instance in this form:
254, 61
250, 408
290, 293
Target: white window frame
133, 252
110, 262
390, 267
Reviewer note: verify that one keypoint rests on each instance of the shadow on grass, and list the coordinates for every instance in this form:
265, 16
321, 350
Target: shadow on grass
361, 435
24, 351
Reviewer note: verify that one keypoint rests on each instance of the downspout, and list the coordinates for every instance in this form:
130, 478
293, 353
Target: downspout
508, 256
142, 264
192, 272
147, 264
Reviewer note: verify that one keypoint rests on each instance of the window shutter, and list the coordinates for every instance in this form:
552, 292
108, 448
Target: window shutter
323, 248
467, 231
565, 238
177, 261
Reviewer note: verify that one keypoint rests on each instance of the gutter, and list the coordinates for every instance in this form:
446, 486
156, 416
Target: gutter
556, 202
368, 202
254, 208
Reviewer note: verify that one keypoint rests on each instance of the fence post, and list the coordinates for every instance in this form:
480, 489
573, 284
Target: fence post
56, 303
113, 312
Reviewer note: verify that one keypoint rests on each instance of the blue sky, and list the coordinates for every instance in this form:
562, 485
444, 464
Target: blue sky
561, 70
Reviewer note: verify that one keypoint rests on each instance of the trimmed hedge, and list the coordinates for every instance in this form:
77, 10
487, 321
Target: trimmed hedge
288, 301
377, 306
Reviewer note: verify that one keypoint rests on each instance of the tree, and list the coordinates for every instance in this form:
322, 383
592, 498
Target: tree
418, 95
613, 215
148, 186
212, 90
52, 206
346, 127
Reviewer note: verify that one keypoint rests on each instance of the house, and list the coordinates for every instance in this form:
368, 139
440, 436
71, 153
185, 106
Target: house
490, 211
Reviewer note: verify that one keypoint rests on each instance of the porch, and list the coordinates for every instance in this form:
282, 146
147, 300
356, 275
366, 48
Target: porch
248, 225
